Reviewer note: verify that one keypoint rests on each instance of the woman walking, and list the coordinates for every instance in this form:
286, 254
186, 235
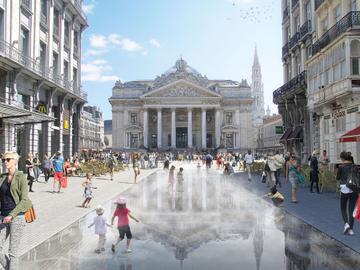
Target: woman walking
46, 166
30, 171
292, 171
136, 166
14, 203
348, 197
171, 180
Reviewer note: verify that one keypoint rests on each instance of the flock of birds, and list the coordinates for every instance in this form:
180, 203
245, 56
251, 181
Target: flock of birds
254, 13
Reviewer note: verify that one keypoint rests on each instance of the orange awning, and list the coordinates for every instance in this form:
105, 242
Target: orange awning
351, 136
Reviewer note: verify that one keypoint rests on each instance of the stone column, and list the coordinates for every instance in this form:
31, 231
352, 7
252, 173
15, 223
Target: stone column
203, 128
146, 128
173, 128
237, 134
190, 142
217, 128
159, 128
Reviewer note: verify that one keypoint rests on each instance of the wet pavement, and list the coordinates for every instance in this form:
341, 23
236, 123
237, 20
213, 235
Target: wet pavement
214, 223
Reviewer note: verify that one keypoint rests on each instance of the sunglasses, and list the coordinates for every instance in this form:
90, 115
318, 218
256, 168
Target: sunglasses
6, 159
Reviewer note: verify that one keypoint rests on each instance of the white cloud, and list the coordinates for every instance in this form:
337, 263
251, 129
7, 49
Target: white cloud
98, 41
95, 71
96, 52
154, 42
89, 7
130, 45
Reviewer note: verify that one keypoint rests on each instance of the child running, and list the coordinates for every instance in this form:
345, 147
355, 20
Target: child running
100, 228
276, 197
122, 213
87, 184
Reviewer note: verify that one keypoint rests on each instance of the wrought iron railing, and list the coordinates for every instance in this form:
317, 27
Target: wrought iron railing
347, 22
294, 3
8, 51
295, 83
294, 40
305, 29
285, 49
318, 3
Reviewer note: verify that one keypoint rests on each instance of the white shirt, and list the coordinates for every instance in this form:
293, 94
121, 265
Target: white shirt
344, 189
248, 159
100, 225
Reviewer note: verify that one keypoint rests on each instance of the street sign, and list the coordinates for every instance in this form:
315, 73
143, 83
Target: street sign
279, 130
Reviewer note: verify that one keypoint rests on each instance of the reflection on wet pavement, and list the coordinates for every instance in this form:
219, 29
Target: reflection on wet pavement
209, 223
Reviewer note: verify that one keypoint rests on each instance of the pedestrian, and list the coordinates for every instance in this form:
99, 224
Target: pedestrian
36, 168
30, 171
314, 172
88, 187
46, 166
14, 203
122, 213
276, 197
58, 166
136, 167
100, 228
271, 180
279, 162
292, 170
171, 179
111, 165
179, 189
324, 161
348, 197
248, 163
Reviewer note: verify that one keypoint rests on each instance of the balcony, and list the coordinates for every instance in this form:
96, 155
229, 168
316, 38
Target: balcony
318, 3
285, 49
295, 83
294, 40
345, 24
12, 53
305, 29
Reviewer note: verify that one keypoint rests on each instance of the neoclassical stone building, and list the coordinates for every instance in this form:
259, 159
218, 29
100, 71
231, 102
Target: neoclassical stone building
182, 109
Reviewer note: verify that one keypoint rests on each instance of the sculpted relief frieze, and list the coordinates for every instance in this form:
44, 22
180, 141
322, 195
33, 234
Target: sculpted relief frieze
180, 91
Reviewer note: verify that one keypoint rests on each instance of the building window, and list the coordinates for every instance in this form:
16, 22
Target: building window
66, 71
343, 69
308, 11
66, 34
355, 56
229, 140
75, 79
326, 127
44, 13
55, 64
42, 56
340, 124
76, 43
133, 118
337, 13
353, 5
56, 23
24, 41
229, 118
324, 24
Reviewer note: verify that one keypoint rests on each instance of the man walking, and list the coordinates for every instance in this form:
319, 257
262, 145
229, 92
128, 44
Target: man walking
58, 165
248, 162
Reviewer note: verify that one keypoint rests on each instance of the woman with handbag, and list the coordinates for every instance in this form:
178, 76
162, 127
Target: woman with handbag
14, 202
348, 197
292, 172
30, 171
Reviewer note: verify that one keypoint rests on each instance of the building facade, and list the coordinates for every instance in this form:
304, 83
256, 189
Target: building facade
334, 76
269, 134
297, 28
40, 49
182, 109
91, 129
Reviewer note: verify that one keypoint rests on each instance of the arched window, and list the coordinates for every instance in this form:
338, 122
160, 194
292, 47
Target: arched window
355, 55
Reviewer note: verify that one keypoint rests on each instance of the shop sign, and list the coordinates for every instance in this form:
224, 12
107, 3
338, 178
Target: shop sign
352, 110
279, 129
66, 124
338, 112
41, 107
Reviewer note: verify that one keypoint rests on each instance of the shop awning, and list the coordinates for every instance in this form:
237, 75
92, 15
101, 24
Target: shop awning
351, 136
286, 135
297, 134
18, 116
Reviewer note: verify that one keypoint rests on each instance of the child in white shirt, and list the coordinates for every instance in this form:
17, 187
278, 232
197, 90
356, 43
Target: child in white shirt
100, 228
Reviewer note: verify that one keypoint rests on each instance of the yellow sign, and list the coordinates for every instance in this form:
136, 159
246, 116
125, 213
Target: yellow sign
66, 124
42, 108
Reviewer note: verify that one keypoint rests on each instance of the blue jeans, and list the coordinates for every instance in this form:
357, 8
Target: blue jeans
277, 177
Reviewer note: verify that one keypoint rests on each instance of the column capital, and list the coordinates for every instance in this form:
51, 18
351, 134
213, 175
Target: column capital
189, 109
159, 109
173, 109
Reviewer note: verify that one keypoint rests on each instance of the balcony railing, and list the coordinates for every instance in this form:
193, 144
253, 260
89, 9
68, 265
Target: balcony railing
318, 3
10, 52
305, 29
295, 83
285, 49
26, 4
294, 3
294, 40
347, 22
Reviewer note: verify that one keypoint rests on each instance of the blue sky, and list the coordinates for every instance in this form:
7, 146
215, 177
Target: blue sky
141, 39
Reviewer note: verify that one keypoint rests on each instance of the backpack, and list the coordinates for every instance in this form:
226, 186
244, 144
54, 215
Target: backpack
353, 179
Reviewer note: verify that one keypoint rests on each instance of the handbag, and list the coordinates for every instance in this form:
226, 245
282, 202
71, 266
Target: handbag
353, 179
31, 172
300, 178
64, 182
30, 215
